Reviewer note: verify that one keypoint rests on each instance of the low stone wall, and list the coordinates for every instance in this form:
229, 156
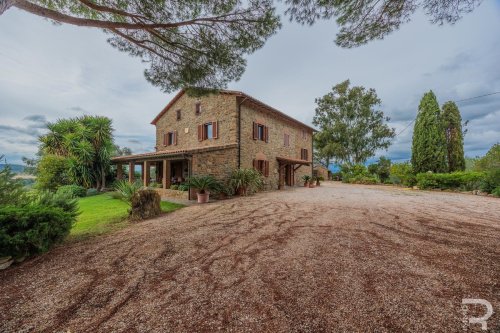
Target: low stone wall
175, 194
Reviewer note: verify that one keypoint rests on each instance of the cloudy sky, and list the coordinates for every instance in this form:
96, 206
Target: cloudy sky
50, 71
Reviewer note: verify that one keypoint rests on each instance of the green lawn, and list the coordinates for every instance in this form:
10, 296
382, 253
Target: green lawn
102, 213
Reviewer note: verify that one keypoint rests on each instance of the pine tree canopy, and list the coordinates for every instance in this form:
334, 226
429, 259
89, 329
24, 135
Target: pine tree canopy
202, 44
429, 143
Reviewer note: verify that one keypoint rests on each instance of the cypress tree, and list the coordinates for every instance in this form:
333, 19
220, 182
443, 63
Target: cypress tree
428, 151
452, 124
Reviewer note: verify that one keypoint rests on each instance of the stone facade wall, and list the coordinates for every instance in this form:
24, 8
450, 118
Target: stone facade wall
219, 163
255, 149
215, 107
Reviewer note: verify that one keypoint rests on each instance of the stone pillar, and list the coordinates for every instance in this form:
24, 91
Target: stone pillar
166, 174
131, 167
145, 173
119, 171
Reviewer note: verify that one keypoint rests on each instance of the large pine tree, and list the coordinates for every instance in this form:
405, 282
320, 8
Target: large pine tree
452, 123
428, 151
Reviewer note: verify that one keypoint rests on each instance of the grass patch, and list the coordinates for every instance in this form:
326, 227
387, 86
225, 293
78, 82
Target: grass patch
103, 213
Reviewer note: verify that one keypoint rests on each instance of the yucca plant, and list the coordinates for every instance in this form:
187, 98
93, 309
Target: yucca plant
203, 183
246, 181
126, 190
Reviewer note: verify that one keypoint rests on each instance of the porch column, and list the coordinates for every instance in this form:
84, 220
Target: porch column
131, 167
119, 171
145, 173
166, 174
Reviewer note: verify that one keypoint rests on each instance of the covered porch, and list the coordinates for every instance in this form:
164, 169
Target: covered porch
286, 170
158, 170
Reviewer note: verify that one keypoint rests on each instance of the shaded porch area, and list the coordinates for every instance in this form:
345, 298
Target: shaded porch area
286, 170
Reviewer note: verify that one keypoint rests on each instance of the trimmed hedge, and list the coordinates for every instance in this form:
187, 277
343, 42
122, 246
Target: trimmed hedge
73, 191
466, 181
32, 229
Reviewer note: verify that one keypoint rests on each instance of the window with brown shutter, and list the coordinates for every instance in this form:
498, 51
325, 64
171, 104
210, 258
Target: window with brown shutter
164, 139
215, 130
197, 108
286, 140
266, 133
261, 166
255, 130
200, 132
260, 132
304, 154
175, 138
178, 114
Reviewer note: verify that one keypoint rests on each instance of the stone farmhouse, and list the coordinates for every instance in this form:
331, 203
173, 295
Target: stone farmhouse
219, 133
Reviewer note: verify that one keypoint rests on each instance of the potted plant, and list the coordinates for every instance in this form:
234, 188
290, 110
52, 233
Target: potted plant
203, 185
245, 181
318, 179
306, 179
312, 182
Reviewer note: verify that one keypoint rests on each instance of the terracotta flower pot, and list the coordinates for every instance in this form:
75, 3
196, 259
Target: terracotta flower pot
306, 184
242, 191
203, 197
317, 183
312, 185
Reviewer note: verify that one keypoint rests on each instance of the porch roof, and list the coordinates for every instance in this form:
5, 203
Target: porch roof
166, 154
289, 160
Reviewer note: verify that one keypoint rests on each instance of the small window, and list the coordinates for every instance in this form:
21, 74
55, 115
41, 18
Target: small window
304, 155
286, 140
260, 132
262, 166
304, 136
170, 138
178, 114
209, 134
197, 108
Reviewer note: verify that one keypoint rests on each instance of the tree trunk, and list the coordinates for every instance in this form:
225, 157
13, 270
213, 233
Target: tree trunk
6, 4
103, 178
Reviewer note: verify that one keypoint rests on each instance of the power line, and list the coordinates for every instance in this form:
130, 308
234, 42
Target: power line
462, 100
467, 99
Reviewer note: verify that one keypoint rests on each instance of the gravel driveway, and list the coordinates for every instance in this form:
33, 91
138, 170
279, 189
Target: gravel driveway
338, 258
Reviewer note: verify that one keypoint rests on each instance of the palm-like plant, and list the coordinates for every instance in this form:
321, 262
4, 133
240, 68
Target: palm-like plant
203, 183
126, 190
246, 180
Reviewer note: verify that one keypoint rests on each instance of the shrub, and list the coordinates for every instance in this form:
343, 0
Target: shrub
496, 192
246, 181
461, 180
74, 191
306, 178
402, 174
92, 192
491, 181
126, 190
365, 180
355, 171
183, 187
174, 187
145, 203
32, 229
52, 172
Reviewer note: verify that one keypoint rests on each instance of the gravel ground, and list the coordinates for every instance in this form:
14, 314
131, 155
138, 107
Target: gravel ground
338, 258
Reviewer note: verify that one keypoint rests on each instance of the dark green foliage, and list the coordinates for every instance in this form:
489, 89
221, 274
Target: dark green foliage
364, 21
246, 181
11, 190
174, 187
402, 174
351, 129
126, 190
86, 144
496, 192
460, 180
203, 184
382, 168
145, 204
72, 191
490, 161
428, 151
183, 187
452, 123
491, 181
32, 229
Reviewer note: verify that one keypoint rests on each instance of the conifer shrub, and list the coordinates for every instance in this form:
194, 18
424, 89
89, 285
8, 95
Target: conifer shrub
465, 181
73, 191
